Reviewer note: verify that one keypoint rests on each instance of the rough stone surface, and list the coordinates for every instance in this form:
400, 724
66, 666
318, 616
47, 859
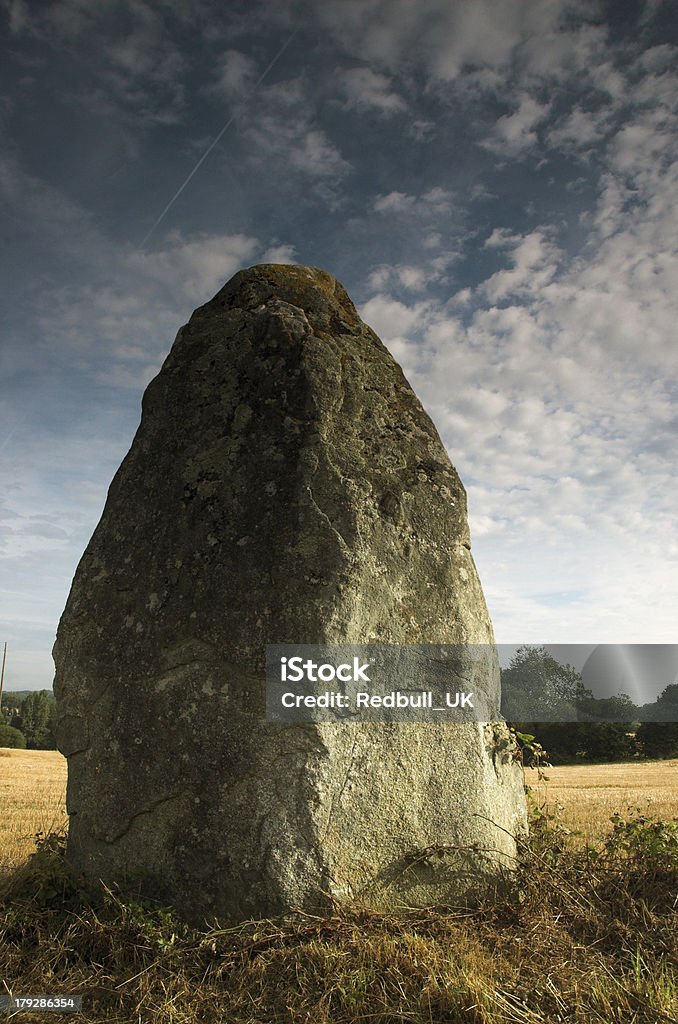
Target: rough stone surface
284, 486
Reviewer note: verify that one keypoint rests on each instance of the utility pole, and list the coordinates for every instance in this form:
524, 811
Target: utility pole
2, 674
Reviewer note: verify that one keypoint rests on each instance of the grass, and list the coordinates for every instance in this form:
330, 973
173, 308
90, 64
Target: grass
582, 933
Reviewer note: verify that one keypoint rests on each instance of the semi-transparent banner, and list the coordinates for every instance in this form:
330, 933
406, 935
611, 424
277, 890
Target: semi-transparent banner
471, 683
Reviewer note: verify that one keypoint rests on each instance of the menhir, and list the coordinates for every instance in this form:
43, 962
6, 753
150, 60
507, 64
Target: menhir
284, 486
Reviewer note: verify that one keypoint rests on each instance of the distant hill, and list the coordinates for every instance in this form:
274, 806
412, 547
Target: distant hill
6, 694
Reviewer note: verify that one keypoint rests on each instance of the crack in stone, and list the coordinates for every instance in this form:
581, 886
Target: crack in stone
342, 540
144, 810
336, 798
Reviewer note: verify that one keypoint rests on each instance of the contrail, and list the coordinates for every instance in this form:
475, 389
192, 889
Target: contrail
7, 439
13, 431
214, 143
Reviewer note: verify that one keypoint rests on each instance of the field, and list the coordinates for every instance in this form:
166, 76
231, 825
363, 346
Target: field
33, 797
32, 800
585, 796
574, 937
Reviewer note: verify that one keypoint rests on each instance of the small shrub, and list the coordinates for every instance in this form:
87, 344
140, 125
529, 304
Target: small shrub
11, 737
45, 882
643, 854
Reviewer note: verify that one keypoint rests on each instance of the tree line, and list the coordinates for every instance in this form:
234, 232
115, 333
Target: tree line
28, 721
535, 680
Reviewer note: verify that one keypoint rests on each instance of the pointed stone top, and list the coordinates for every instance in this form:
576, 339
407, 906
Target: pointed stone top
308, 288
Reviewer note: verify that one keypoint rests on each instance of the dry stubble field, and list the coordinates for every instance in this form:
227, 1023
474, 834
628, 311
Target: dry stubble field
585, 796
32, 800
33, 797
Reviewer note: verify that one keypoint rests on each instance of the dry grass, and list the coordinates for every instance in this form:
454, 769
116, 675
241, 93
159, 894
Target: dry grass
570, 941
586, 796
32, 800
574, 937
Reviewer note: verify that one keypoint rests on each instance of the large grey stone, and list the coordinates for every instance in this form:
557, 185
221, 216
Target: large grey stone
284, 486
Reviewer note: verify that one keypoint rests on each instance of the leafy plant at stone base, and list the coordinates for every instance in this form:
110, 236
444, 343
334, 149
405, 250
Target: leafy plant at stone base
11, 737
640, 858
45, 881
529, 751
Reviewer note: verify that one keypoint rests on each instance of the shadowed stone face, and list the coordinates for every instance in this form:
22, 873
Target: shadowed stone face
284, 486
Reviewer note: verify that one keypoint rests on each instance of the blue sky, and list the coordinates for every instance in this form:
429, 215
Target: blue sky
494, 181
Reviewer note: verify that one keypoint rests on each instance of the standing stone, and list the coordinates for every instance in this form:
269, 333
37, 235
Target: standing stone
284, 486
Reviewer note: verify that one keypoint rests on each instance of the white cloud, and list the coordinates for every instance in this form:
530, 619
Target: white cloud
235, 74
657, 58
473, 44
534, 261
17, 12
193, 268
394, 202
279, 124
411, 278
397, 324
58, 223
391, 318
434, 202
641, 142
447, 35
514, 134
133, 63
553, 383
397, 277
580, 130
366, 89
298, 145
551, 375
279, 254
120, 331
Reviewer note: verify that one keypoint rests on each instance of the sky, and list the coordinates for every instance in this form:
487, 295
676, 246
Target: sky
493, 181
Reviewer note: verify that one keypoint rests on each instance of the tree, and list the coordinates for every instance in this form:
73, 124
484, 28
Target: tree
565, 717
658, 739
11, 708
11, 737
560, 740
568, 742
37, 720
607, 741
536, 687
619, 709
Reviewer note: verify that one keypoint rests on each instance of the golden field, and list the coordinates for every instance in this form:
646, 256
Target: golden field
33, 797
584, 797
